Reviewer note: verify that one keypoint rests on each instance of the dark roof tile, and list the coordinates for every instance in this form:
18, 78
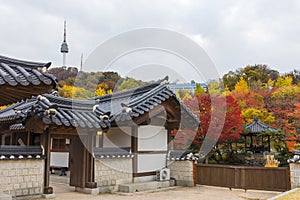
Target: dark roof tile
24, 77
257, 127
83, 113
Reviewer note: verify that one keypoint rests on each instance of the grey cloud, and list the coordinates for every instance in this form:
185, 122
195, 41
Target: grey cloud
234, 33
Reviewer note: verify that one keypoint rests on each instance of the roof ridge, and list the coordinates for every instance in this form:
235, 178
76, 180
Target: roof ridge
68, 101
23, 63
126, 93
144, 96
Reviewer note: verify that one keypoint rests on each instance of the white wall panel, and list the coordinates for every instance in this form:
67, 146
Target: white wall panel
152, 138
151, 162
118, 137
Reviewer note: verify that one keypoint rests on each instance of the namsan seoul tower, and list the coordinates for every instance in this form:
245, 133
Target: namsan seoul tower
64, 46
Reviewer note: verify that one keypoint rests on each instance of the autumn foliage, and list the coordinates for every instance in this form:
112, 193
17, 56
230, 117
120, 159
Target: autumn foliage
220, 117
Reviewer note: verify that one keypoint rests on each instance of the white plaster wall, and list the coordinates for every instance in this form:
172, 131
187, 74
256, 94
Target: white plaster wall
151, 162
152, 138
117, 137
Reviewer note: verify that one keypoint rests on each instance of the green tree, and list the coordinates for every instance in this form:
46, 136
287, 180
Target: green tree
215, 88
199, 89
128, 83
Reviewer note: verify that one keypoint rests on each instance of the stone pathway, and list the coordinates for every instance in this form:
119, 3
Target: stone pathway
64, 192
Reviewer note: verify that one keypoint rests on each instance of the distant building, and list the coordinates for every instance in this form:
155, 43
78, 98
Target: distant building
190, 87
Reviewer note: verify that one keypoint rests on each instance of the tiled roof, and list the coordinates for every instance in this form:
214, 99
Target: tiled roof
112, 153
181, 155
53, 109
257, 127
21, 152
142, 100
18, 127
22, 79
94, 113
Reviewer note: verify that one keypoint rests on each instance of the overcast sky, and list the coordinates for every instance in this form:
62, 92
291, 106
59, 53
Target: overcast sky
233, 33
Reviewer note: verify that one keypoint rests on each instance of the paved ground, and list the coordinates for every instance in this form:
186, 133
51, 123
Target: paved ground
64, 192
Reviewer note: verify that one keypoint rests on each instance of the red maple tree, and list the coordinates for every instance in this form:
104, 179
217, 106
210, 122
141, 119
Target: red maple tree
220, 116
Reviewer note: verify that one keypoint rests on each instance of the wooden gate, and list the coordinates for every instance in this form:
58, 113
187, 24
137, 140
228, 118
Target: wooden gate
77, 163
258, 178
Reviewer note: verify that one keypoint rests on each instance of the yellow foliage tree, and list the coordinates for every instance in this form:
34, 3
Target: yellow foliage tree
262, 115
102, 89
100, 92
241, 86
68, 91
287, 92
226, 91
199, 89
284, 81
2, 107
186, 96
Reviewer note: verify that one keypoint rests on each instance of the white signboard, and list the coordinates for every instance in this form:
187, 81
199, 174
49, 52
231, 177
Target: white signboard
59, 159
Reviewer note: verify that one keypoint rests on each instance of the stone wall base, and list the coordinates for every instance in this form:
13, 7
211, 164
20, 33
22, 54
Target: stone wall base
295, 175
5, 197
182, 172
185, 183
92, 191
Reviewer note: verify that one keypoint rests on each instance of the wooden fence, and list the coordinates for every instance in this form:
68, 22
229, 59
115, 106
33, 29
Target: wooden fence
258, 178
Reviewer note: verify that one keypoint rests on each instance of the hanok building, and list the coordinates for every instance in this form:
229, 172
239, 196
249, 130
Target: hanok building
115, 139
21, 166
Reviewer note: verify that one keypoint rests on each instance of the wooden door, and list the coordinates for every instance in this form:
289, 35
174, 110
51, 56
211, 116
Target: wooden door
77, 163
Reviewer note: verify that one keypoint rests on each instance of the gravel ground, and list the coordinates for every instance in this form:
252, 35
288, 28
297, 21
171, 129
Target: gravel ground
65, 192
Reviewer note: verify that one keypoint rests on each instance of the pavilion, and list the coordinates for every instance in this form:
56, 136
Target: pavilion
253, 142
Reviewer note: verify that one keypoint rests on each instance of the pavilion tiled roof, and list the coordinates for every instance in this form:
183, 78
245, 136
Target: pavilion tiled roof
97, 113
21, 79
257, 127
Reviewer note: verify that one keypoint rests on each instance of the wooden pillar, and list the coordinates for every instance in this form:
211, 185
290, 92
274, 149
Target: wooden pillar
269, 146
251, 143
170, 141
46, 142
245, 143
90, 160
134, 149
11, 138
28, 138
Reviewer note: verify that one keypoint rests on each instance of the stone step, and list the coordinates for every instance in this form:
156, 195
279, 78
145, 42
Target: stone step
143, 186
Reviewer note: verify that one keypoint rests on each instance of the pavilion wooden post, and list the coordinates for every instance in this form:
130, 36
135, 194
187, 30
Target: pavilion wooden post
269, 146
251, 143
245, 143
